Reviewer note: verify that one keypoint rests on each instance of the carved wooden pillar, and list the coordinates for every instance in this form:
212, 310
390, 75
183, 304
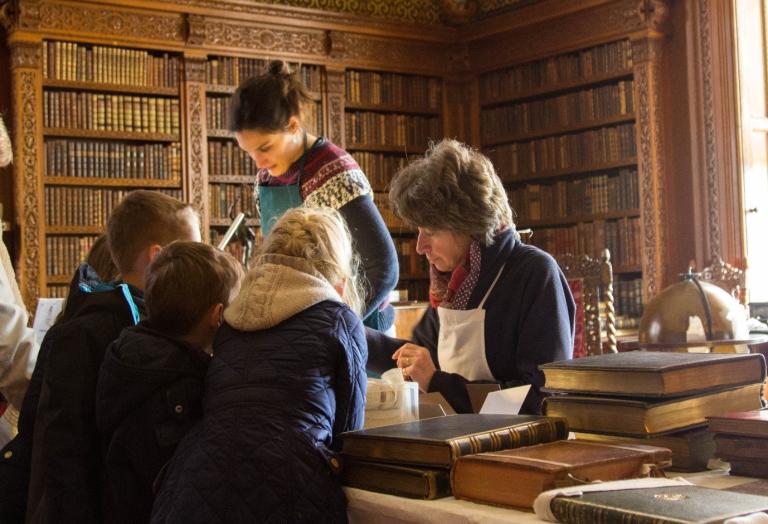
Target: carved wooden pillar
334, 108
195, 177
646, 57
27, 88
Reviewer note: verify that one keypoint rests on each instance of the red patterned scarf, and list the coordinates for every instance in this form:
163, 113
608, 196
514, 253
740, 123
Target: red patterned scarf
452, 289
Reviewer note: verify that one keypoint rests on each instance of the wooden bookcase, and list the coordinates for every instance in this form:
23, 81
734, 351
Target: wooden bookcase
390, 117
561, 132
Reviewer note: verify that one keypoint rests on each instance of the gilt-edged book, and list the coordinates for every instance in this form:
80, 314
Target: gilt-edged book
653, 373
439, 441
403, 481
691, 450
746, 424
649, 417
515, 477
661, 505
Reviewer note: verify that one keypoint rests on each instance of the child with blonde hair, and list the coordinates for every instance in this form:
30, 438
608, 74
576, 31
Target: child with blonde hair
288, 376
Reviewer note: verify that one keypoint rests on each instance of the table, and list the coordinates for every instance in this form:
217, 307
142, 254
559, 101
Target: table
369, 507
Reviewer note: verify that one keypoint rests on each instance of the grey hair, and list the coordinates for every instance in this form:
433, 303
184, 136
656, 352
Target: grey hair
455, 188
6, 152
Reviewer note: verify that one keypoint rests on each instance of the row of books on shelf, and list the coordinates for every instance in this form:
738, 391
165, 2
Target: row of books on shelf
226, 158
369, 87
627, 301
223, 197
392, 221
363, 127
83, 206
217, 114
582, 107
622, 238
413, 290
568, 67
101, 159
105, 112
109, 65
231, 71
64, 253
57, 291
588, 148
597, 194
379, 167
411, 263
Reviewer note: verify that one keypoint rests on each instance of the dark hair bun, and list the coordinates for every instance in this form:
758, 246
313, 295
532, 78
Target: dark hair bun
279, 68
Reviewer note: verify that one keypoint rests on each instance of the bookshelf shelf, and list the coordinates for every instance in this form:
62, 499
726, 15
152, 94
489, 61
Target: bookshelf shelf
226, 222
110, 135
387, 148
635, 268
109, 182
59, 279
559, 130
75, 230
221, 89
113, 88
220, 133
391, 108
581, 170
576, 219
554, 89
232, 179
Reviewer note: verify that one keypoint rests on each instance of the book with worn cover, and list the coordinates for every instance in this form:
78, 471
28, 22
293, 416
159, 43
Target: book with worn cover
691, 450
440, 441
403, 481
653, 374
756, 467
747, 424
737, 447
663, 505
650, 417
515, 477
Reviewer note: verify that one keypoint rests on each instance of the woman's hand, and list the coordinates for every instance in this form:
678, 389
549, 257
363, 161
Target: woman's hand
416, 364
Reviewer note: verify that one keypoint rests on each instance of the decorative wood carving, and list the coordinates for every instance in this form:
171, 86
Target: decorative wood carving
456, 12
264, 38
196, 187
25, 55
112, 21
195, 29
335, 96
646, 56
385, 53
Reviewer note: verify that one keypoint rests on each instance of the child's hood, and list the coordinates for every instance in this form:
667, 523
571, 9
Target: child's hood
277, 288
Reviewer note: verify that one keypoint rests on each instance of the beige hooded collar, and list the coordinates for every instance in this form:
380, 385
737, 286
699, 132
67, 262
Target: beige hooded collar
277, 288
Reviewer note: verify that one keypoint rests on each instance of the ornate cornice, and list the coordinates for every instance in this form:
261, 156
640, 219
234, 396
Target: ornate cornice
230, 34
402, 54
25, 55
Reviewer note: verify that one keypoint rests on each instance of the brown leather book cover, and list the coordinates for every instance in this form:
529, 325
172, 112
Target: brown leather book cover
438, 442
403, 481
516, 477
653, 373
650, 417
747, 424
749, 467
665, 505
737, 447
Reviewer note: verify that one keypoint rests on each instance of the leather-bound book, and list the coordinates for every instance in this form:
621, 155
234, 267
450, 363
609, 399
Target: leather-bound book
736, 447
650, 417
403, 481
515, 477
691, 450
439, 441
746, 424
653, 374
749, 467
662, 505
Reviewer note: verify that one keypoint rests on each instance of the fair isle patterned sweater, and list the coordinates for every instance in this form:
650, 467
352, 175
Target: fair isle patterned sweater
331, 177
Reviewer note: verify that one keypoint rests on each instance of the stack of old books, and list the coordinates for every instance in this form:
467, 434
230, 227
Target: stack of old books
414, 459
655, 398
742, 440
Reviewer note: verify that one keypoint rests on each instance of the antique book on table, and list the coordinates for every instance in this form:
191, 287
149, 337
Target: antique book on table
748, 467
662, 505
653, 374
403, 481
747, 424
515, 477
691, 450
649, 417
737, 447
440, 441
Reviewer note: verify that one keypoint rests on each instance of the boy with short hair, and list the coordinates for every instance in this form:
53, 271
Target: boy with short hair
63, 444
150, 385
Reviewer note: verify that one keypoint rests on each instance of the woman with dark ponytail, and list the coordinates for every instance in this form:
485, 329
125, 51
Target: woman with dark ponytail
297, 168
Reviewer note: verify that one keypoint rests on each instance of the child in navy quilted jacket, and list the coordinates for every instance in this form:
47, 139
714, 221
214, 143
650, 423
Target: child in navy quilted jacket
150, 385
288, 376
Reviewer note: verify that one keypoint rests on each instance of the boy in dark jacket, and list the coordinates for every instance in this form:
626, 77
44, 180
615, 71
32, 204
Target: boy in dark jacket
57, 433
150, 385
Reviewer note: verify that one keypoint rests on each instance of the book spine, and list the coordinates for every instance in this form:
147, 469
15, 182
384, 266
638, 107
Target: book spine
538, 432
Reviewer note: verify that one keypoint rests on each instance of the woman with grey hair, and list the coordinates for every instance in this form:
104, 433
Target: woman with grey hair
499, 308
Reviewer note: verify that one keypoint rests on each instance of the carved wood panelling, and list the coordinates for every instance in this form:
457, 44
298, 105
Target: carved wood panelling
25, 55
335, 115
397, 55
264, 38
112, 21
196, 187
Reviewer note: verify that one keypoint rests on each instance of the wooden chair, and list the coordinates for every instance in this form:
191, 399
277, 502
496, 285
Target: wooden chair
726, 276
590, 281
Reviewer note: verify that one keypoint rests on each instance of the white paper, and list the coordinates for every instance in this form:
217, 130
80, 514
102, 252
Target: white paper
505, 402
45, 315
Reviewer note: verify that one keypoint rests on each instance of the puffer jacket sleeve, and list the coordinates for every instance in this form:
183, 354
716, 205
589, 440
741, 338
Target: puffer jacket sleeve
351, 380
